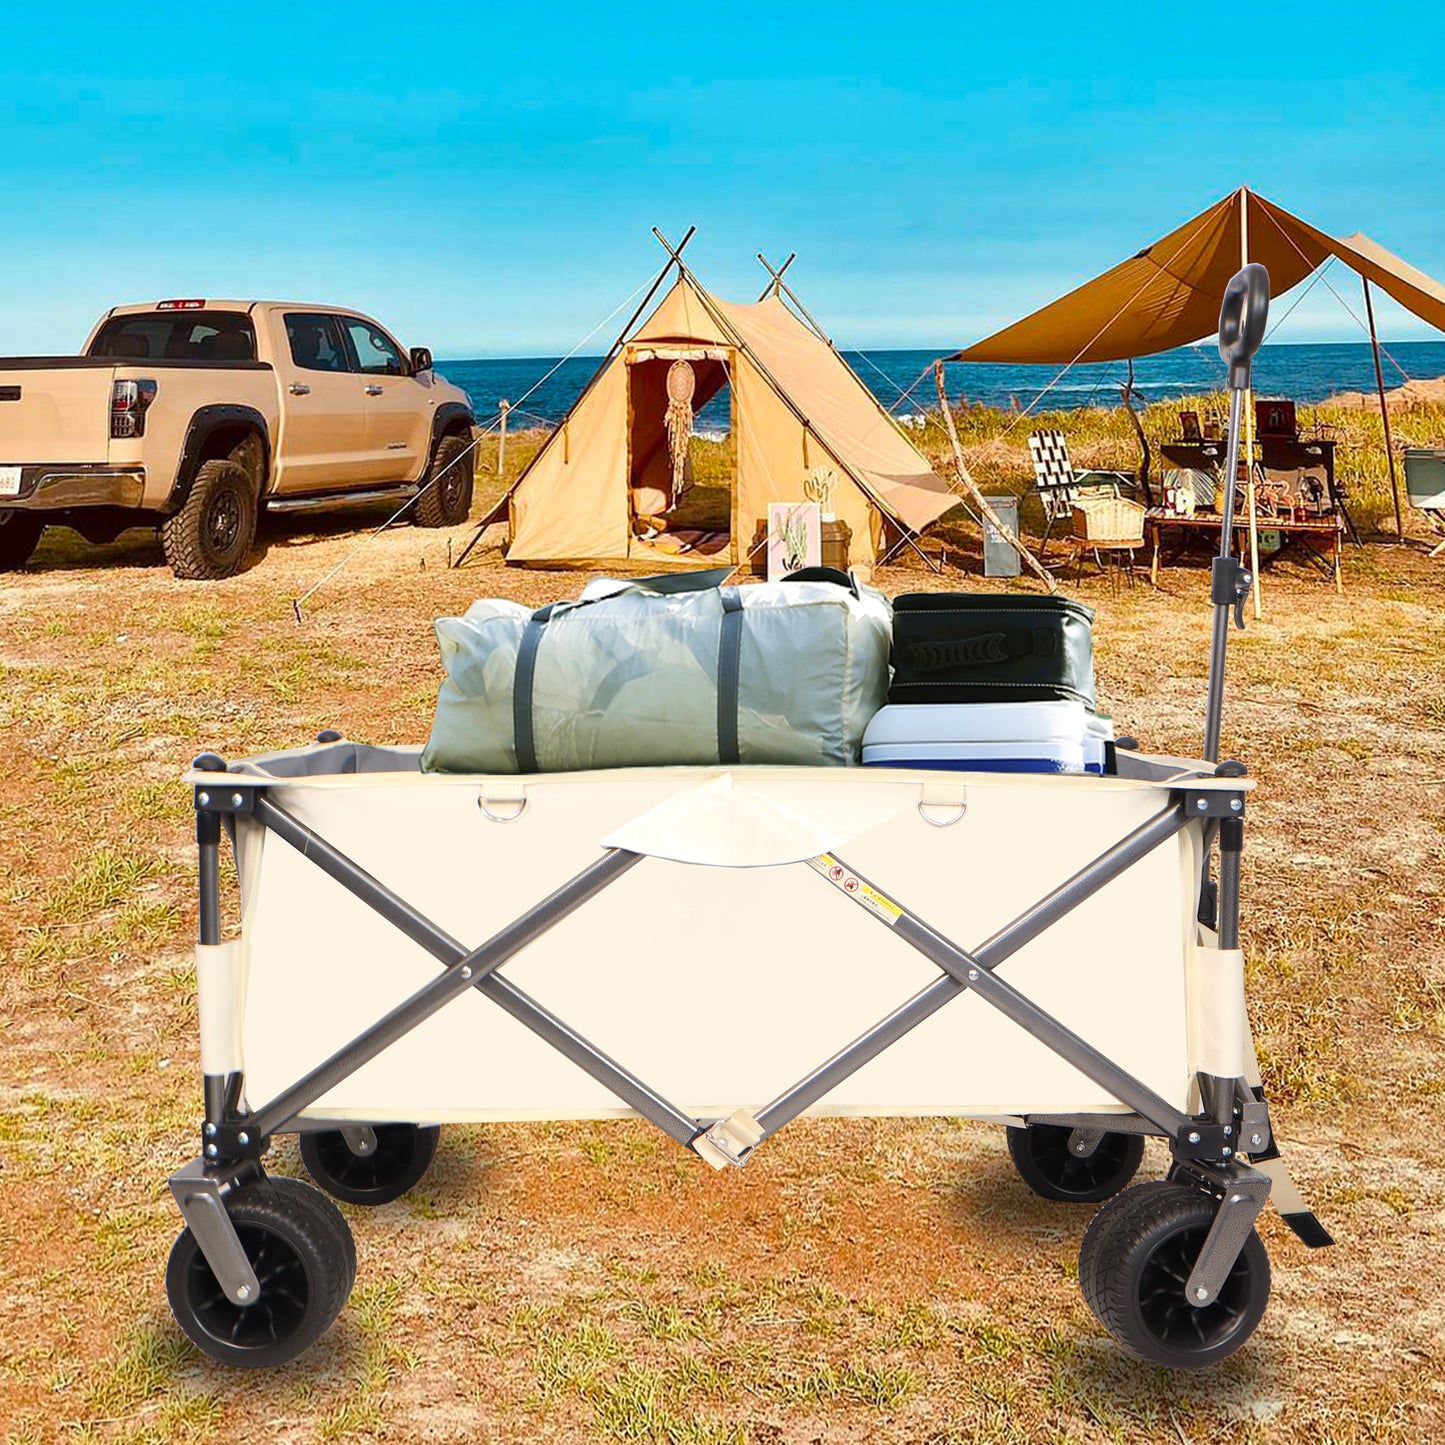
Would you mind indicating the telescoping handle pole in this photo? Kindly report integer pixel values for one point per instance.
(1242, 319)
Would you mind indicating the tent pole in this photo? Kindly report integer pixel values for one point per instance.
(1384, 410)
(1249, 427)
(966, 478)
(777, 275)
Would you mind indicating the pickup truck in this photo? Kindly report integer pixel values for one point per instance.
(194, 416)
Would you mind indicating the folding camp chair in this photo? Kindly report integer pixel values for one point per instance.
(1059, 486)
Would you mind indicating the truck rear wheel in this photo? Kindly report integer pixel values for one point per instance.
(211, 535)
(19, 536)
(447, 498)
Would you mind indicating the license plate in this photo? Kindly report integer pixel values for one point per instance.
(9, 481)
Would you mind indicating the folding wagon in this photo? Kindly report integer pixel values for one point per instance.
(720, 950)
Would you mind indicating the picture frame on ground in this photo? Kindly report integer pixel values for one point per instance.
(795, 537)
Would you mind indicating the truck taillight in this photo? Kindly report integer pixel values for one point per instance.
(128, 403)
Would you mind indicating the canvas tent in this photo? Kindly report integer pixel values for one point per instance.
(795, 408)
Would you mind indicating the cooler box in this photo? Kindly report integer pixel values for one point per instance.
(1007, 737)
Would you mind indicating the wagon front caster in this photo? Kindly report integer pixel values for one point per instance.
(369, 1163)
(1079, 1166)
(1134, 1264)
(304, 1260)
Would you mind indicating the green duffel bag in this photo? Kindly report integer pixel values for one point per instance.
(671, 670)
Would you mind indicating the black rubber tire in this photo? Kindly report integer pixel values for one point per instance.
(1041, 1155)
(447, 502)
(19, 537)
(211, 536)
(305, 1260)
(1133, 1263)
(404, 1153)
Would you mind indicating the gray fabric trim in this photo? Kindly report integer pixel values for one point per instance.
(524, 740)
(729, 670)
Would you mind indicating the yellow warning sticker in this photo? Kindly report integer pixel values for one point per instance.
(842, 877)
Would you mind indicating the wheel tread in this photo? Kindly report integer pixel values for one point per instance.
(302, 1213)
(1105, 1256)
(181, 532)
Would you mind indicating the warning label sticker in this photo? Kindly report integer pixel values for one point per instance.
(855, 887)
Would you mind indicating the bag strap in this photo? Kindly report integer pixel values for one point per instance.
(824, 574)
(524, 738)
(729, 670)
(524, 735)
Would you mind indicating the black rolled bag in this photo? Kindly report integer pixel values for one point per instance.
(958, 647)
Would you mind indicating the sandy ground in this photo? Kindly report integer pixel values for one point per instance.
(878, 1280)
(1412, 393)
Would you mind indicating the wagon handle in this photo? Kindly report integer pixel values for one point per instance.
(1242, 319)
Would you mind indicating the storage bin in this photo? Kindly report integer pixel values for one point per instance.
(956, 647)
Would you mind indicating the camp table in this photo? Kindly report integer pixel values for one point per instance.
(721, 950)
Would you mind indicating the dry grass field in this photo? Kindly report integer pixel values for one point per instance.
(886, 1280)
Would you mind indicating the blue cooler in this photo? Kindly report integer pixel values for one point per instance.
(1002, 737)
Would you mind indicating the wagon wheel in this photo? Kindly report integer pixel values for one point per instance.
(302, 1253)
(1053, 1170)
(403, 1153)
(1135, 1261)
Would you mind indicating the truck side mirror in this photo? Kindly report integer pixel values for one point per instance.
(420, 360)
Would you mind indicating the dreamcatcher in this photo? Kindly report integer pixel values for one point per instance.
(681, 386)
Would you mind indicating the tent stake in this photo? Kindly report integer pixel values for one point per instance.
(1384, 411)
(967, 479)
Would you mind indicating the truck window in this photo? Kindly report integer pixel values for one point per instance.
(316, 341)
(376, 353)
(189, 336)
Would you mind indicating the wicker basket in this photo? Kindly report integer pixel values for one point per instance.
(1109, 521)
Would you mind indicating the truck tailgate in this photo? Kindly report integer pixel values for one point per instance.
(55, 414)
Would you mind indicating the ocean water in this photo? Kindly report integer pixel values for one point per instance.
(1306, 373)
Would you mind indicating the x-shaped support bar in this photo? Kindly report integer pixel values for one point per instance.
(478, 968)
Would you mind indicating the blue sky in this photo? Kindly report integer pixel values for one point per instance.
(484, 179)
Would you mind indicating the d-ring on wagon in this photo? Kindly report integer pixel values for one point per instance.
(708, 926)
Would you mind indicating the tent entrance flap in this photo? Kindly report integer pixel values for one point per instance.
(678, 499)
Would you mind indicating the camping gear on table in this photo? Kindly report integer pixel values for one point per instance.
(671, 670)
(953, 647)
(718, 929)
(1000, 737)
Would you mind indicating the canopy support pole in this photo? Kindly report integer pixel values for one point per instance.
(1384, 410)
(966, 477)
(1249, 428)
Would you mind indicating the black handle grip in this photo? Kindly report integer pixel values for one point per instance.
(1242, 320)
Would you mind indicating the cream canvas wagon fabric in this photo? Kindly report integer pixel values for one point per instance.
(720, 986)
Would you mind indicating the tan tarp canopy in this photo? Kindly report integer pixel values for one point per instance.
(796, 406)
(1169, 294)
